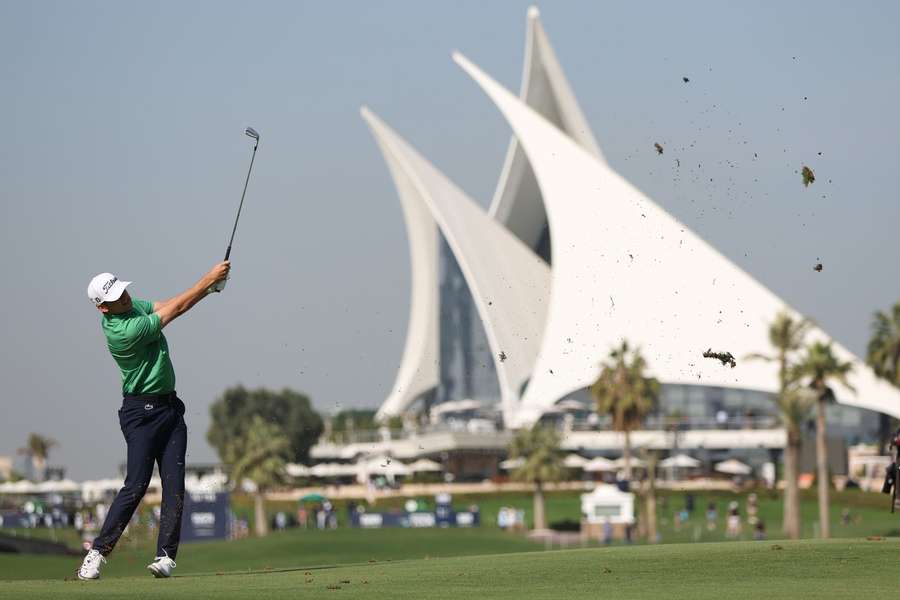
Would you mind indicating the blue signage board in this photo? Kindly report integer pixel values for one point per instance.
(207, 516)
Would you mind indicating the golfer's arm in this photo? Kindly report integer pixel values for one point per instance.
(158, 305)
(171, 309)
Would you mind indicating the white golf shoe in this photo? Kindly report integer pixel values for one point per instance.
(161, 567)
(90, 568)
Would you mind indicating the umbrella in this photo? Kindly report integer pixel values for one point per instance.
(574, 461)
(599, 464)
(22, 486)
(619, 463)
(680, 460)
(382, 465)
(733, 467)
(313, 498)
(297, 470)
(512, 463)
(423, 464)
(58, 487)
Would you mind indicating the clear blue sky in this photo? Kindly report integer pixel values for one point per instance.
(122, 151)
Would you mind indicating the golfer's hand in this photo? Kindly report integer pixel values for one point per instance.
(218, 272)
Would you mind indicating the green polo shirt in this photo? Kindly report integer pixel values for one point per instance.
(138, 346)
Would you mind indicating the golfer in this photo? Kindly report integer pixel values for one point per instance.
(151, 417)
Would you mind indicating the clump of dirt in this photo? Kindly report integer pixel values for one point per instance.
(725, 357)
(659, 149)
(808, 176)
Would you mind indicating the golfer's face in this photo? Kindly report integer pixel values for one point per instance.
(122, 305)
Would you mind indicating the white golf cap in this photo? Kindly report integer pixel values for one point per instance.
(106, 287)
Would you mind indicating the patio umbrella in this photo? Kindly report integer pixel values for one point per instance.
(574, 461)
(512, 463)
(619, 463)
(681, 461)
(423, 464)
(599, 464)
(297, 470)
(733, 467)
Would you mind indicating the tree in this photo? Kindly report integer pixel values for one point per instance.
(37, 449)
(347, 422)
(884, 357)
(821, 366)
(623, 392)
(648, 491)
(787, 335)
(539, 447)
(234, 410)
(260, 455)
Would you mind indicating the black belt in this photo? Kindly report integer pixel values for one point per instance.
(156, 398)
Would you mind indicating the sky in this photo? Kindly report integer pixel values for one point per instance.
(123, 151)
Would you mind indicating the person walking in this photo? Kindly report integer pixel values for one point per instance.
(151, 416)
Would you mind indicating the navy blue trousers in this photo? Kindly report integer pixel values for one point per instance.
(155, 432)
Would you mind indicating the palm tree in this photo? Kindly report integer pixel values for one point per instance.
(786, 335)
(37, 449)
(884, 356)
(259, 455)
(625, 394)
(821, 366)
(539, 447)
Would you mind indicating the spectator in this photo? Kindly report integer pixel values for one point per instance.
(759, 532)
(607, 531)
(712, 515)
(733, 521)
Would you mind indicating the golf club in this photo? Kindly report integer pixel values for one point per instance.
(249, 132)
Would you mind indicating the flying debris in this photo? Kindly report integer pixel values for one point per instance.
(659, 149)
(502, 356)
(808, 176)
(725, 357)
(685, 79)
(818, 267)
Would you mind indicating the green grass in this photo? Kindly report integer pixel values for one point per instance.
(281, 550)
(805, 569)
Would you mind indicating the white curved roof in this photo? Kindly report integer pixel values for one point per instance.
(418, 372)
(517, 200)
(623, 268)
(509, 283)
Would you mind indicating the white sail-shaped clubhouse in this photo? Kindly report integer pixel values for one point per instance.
(517, 205)
(509, 283)
(622, 267)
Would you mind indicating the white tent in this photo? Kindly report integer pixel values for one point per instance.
(733, 467)
(382, 465)
(575, 461)
(635, 462)
(595, 465)
(19, 487)
(682, 461)
(58, 487)
(424, 465)
(325, 470)
(297, 470)
(95, 489)
(512, 463)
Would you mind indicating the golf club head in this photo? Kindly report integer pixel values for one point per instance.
(251, 133)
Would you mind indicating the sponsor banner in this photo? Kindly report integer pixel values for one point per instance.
(206, 516)
(444, 517)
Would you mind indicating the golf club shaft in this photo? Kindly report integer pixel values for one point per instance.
(241, 205)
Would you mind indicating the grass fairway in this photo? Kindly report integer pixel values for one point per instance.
(806, 569)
